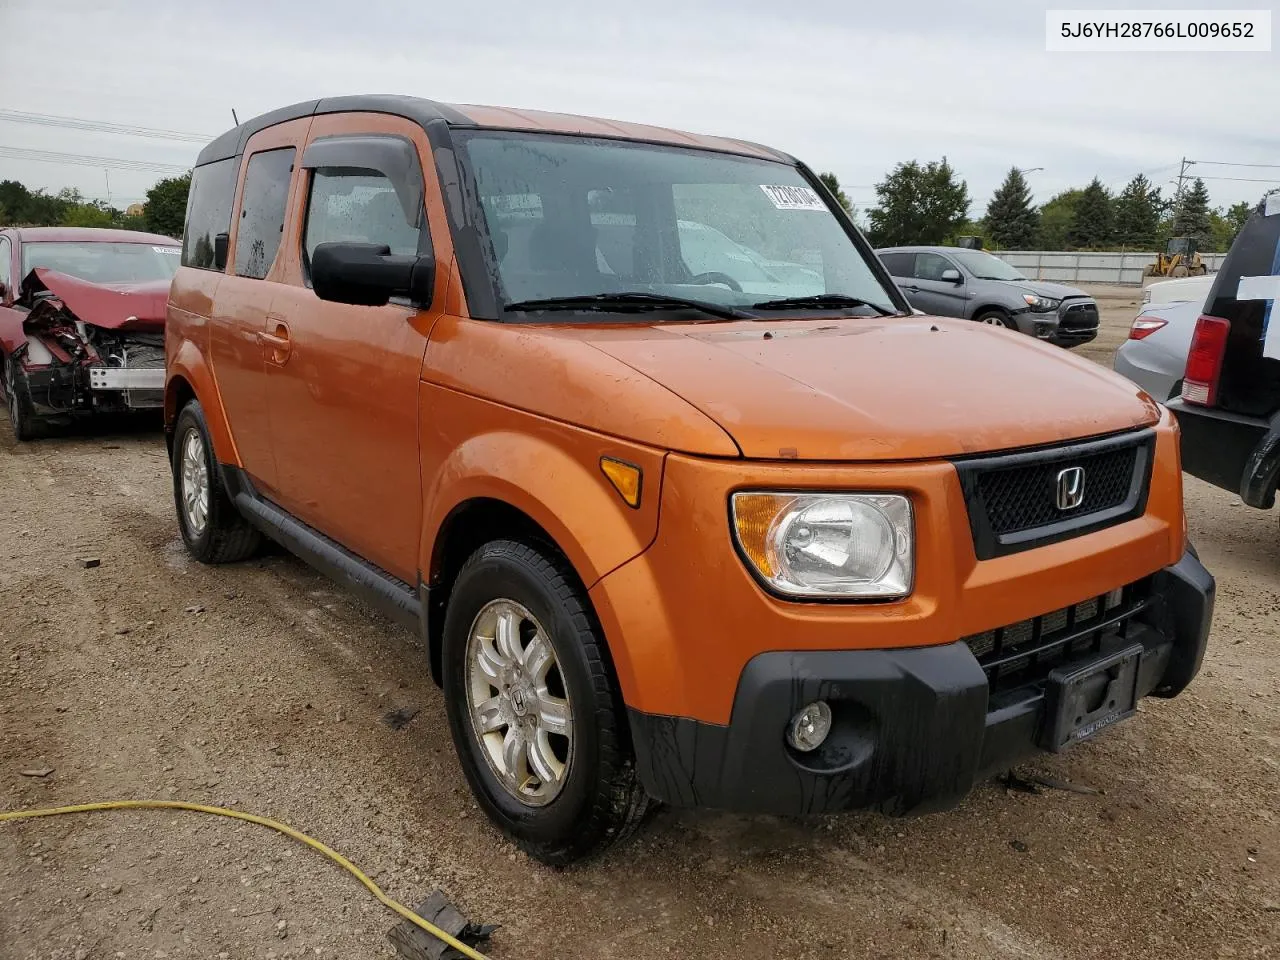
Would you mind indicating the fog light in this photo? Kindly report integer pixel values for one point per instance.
(810, 727)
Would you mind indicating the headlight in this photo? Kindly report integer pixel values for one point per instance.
(828, 544)
(1041, 304)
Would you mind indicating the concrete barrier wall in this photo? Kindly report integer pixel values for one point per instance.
(1076, 268)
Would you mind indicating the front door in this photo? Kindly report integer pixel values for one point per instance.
(343, 380)
(927, 290)
(243, 298)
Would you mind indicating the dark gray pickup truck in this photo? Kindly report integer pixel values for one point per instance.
(973, 285)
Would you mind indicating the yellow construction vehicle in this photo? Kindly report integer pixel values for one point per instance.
(1180, 259)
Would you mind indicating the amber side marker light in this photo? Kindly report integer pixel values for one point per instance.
(625, 477)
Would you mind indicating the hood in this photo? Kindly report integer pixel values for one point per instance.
(117, 306)
(1043, 288)
(879, 389)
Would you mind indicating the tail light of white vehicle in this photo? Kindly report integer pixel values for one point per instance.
(1204, 361)
(1145, 326)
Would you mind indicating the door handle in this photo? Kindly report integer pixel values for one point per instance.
(913, 288)
(276, 345)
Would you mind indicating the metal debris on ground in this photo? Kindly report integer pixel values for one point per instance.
(41, 772)
(414, 943)
(90, 562)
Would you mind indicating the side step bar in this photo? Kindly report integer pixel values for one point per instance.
(385, 593)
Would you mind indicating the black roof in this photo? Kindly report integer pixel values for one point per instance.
(422, 111)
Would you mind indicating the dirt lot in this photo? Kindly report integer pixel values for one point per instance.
(260, 686)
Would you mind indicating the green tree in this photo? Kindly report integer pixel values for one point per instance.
(166, 206)
(33, 208)
(1012, 222)
(1225, 224)
(918, 204)
(1138, 209)
(832, 183)
(88, 215)
(1056, 218)
(1191, 215)
(1093, 221)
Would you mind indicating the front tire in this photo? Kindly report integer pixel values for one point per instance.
(996, 318)
(22, 414)
(213, 529)
(535, 713)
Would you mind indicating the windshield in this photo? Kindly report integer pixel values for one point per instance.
(984, 266)
(573, 217)
(100, 262)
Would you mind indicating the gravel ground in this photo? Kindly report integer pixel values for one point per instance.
(262, 687)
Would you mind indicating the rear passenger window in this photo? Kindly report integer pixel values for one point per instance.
(356, 205)
(898, 264)
(266, 192)
(213, 188)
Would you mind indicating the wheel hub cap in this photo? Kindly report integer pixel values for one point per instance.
(193, 476)
(517, 703)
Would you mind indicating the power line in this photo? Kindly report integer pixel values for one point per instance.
(101, 126)
(76, 159)
(1239, 179)
(1226, 163)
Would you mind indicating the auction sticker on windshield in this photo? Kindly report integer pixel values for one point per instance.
(173, 250)
(793, 198)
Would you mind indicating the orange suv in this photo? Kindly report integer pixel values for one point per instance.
(635, 428)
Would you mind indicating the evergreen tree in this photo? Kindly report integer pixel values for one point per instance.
(1137, 213)
(1092, 224)
(1191, 217)
(1012, 222)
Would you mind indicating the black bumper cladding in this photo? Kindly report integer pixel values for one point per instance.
(913, 730)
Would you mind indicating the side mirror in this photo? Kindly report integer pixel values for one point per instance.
(220, 242)
(952, 276)
(367, 275)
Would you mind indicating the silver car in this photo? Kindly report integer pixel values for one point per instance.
(1155, 355)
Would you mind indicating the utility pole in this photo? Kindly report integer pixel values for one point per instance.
(1177, 193)
(107, 173)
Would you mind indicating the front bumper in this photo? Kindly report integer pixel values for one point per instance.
(914, 729)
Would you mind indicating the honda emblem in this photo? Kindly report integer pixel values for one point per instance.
(1070, 488)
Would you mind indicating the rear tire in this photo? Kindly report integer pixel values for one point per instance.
(22, 414)
(1179, 271)
(212, 528)
(996, 318)
(509, 603)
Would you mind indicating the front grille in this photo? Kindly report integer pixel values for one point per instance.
(1020, 498)
(1023, 653)
(1014, 498)
(1079, 316)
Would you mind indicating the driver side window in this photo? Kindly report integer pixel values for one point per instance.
(357, 205)
(930, 266)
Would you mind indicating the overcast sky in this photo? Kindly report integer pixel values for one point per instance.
(849, 87)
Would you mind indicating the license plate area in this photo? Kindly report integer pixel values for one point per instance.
(1084, 699)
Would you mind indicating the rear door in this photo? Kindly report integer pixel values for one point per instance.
(244, 297)
(930, 293)
(901, 266)
(343, 388)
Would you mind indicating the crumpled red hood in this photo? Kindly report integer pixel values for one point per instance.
(116, 306)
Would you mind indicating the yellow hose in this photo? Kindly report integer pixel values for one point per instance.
(275, 825)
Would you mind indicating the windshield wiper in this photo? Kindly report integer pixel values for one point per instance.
(832, 301)
(636, 302)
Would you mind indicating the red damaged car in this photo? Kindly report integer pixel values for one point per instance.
(81, 323)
